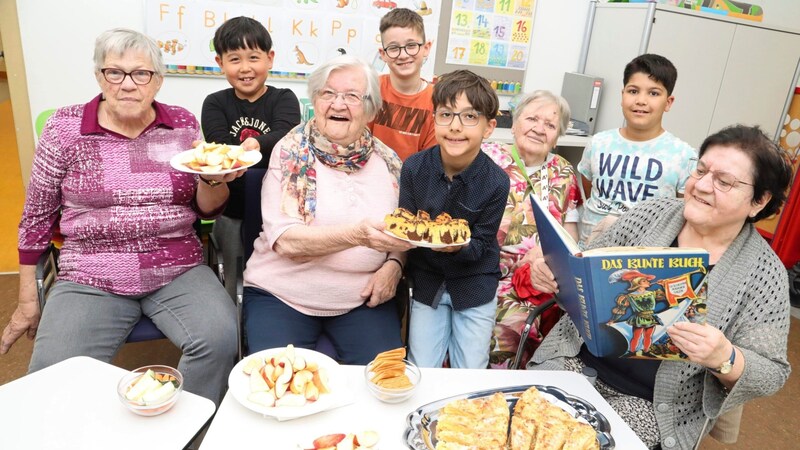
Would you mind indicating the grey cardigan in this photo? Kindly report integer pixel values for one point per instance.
(748, 299)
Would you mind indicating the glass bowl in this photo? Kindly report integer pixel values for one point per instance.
(388, 395)
(155, 404)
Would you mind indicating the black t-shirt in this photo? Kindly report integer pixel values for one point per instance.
(227, 119)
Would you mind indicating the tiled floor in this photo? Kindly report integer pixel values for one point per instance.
(768, 423)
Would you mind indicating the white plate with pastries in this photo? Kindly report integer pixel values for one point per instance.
(425, 243)
(214, 159)
(314, 383)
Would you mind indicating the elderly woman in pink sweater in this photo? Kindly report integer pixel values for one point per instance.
(102, 169)
(322, 262)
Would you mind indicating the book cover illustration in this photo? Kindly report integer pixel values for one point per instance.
(623, 299)
(645, 306)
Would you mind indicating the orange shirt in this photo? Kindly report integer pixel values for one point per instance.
(405, 122)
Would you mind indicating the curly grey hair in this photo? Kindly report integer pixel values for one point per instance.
(546, 97)
(372, 98)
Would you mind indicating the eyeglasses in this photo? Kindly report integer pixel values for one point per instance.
(723, 181)
(349, 98)
(412, 48)
(467, 118)
(117, 76)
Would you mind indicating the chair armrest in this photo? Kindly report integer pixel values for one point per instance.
(239, 300)
(214, 259)
(46, 271)
(535, 312)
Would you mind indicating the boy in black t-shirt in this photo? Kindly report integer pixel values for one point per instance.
(250, 113)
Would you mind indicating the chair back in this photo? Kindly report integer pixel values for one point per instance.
(41, 119)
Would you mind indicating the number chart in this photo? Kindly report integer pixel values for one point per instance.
(490, 33)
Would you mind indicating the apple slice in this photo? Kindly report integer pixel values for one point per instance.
(262, 398)
(291, 400)
(257, 382)
(346, 443)
(311, 392)
(143, 385)
(158, 395)
(280, 389)
(252, 364)
(298, 385)
(312, 366)
(299, 363)
(321, 381)
(267, 374)
(367, 438)
(329, 440)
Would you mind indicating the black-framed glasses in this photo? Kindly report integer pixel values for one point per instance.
(117, 76)
(467, 118)
(349, 98)
(412, 48)
(723, 181)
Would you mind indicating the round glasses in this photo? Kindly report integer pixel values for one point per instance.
(467, 118)
(723, 181)
(412, 48)
(117, 76)
(349, 98)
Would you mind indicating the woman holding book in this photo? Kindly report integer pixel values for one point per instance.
(739, 178)
(538, 121)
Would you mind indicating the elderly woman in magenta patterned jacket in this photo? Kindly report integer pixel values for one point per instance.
(126, 216)
(539, 119)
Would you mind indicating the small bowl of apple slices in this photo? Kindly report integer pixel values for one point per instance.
(150, 390)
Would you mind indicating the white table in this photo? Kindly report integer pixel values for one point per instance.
(235, 426)
(74, 405)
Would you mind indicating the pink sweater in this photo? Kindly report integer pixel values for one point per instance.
(327, 285)
(126, 215)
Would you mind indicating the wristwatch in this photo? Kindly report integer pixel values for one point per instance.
(211, 183)
(727, 366)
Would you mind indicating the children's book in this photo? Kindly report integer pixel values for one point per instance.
(623, 299)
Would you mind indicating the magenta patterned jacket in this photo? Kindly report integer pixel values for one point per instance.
(125, 214)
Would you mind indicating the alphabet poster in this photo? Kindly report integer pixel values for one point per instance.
(304, 32)
(494, 33)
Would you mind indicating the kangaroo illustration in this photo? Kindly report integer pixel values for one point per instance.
(301, 58)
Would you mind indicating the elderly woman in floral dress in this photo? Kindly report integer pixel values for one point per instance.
(538, 120)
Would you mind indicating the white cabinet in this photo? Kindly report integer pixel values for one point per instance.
(729, 70)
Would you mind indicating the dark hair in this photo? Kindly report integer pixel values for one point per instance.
(402, 18)
(772, 171)
(478, 91)
(239, 33)
(656, 67)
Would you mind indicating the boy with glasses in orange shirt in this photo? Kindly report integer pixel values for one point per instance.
(405, 122)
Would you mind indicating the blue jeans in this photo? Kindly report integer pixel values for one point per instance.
(357, 336)
(193, 311)
(465, 334)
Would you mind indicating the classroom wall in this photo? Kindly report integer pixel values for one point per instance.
(58, 38)
(59, 64)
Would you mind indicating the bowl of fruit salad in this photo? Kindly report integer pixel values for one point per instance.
(150, 390)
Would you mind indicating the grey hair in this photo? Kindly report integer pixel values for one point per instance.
(372, 100)
(545, 97)
(119, 40)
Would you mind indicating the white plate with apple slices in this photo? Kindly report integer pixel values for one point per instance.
(288, 382)
(214, 159)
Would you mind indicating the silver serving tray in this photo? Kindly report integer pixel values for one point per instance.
(421, 431)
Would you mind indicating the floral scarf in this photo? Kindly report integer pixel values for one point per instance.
(305, 145)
